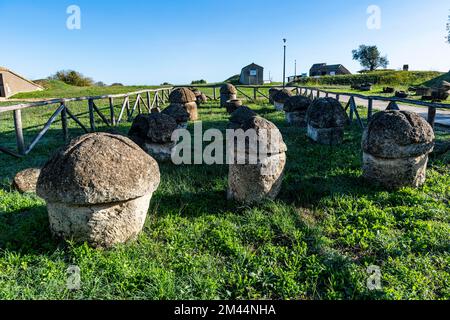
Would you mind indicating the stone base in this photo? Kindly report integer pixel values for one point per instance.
(161, 152)
(296, 119)
(101, 225)
(327, 136)
(192, 109)
(278, 106)
(252, 183)
(395, 173)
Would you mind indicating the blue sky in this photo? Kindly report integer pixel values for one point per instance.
(150, 42)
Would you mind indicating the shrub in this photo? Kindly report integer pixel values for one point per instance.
(117, 85)
(73, 78)
(199, 82)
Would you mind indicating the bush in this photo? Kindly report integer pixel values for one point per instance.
(117, 85)
(199, 82)
(72, 78)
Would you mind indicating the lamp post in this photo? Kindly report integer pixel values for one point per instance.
(284, 64)
(295, 69)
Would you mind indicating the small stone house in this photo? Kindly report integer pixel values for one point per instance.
(322, 69)
(12, 83)
(252, 74)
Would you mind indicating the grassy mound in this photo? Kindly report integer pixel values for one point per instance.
(436, 82)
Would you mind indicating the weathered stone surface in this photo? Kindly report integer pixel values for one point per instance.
(224, 97)
(182, 95)
(240, 116)
(178, 112)
(326, 113)
(25, 181)
(161, 152)
(200, 96)
(326, 136)
(280, 98)
(397, 134)
(296, 108)
(152, 128)
(395, 173)
(192, 109)
(228, 88)
(272, 92)
(395, 147)
(98, 189)
(253, 182)
(233, 105)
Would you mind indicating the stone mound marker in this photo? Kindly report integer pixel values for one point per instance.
(185, 98)
(98, 189)
(254, 182)
(25, 181)
(179, 113)
(326, 119)
(396, 145)
(280, 98)
(227, 92)
(296, 108)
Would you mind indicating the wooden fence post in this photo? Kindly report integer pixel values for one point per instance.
(91, 115)
(214, 94)
(369, 109)
(254, 94)
(111, 110)
(19, 131)
(431, 116)
(338, 96)
(65, 128)
(149, 102)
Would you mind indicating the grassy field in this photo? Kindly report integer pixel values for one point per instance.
(314, 242)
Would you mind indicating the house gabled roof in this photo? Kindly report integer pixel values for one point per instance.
(19, 76)
(328, 68)
(252, 64)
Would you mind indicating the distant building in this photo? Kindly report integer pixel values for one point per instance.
(252, 75)
(297, 77)
(322, 69)
(11, 83)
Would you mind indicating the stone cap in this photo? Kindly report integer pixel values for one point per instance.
(397, 134)
(240, 116)
(155, 127)
(326, 113)
(282, 96)
(177, 112)
(182, 95)
(269, 131)
(297, 103)
(228, 88)
(98, 168)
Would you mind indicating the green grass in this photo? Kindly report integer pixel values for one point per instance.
(314, 242)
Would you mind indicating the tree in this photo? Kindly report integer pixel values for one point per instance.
(370, 57)
(448, 30)
(199, 82)
(72, 78)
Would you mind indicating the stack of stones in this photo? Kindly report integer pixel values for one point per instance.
(185, 98)
(280, 98)
(295, 109)
(253, 182)
(180, 115)
(153, 133)
(272, 93)
(326, 120)
(98, 189)
(240, 116)
(233, 105)
(200, 96)
(227, 92)
(396, 145)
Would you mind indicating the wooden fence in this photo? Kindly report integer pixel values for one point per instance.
(155, 97)
(145, 100)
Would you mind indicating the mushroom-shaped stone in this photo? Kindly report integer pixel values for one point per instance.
(199, 96)
(153, 133)
(227, 92)
(395, 147)
(185, 98)
(296, 108)
(179, 113)
(272, 92)
(258, 167)
(240, 116)
(98, 189)
(325, 120)
(280, 98)
(25, 181)
(233, 105)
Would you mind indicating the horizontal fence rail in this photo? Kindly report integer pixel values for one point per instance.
(146, 100)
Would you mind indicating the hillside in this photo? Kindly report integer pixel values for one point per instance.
(380, 77)
(437, 81)
(58, 89)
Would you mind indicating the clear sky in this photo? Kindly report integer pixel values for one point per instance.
(150, 42)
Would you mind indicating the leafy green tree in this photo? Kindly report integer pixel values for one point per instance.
(73, 78)
(370, 57)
